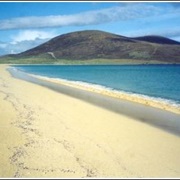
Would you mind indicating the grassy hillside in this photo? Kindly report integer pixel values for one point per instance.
(44, 60)
(92, 47)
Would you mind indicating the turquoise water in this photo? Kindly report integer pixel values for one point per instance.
(154, 81)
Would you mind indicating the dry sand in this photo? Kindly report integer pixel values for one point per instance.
(44, 133)
(120, 95)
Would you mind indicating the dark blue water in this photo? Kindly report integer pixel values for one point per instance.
(158, 81)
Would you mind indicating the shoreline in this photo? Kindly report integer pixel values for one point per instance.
(156, 114)
(121, 95)
(146, 100)
(49, 133)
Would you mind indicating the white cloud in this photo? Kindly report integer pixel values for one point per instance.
(30, 35)
(118, 13)
(3, 45)
(20, 46)
(25, 40)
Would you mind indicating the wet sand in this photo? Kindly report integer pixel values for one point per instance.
(46, 133)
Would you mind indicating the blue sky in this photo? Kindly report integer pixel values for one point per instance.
(24, 25)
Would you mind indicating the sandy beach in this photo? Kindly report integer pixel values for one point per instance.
(45, 133)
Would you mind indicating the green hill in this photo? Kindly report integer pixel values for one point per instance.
(92, 44)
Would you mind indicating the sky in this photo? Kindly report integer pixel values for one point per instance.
(24, 25)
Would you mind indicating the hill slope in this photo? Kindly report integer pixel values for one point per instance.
(92, 44)
(157, 39)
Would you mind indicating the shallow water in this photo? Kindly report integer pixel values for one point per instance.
(161, 82)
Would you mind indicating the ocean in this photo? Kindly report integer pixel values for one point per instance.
(159, 82)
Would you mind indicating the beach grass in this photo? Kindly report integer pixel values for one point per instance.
(43, 59)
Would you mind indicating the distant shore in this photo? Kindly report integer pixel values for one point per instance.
(58, 133)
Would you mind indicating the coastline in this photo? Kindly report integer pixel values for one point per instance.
(59, 135)
(137, 98)
(154, 113)
(160, 103)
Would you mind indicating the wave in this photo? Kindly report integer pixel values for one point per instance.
(104, 89)
(157, 117)
(109, 91)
